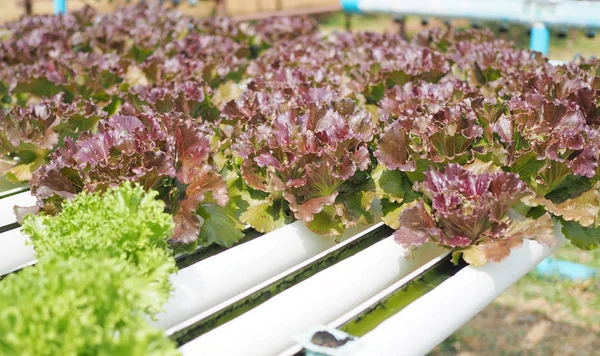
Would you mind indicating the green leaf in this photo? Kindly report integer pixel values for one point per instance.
(326, 223)
(392, 210)
(535, 212)
(584, 209)
(486, 76)
(419, 173)
(353, 208)
(141, 54)
(113, 106)
(40, 87)
(79, 123)
(220, 225)
(456, 257)
(527, 166)
(552, 175)
(226, 92)
(206, 109)
(23, 172)
(398, 77)
(393, 185)
(571, 187)
(265, 217)
(586, 238)
(391, 213)
(479, 74)
(375, 93)
(472, 255)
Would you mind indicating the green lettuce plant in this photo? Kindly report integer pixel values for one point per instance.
(103, 270)
(79, 306)
(125, 223)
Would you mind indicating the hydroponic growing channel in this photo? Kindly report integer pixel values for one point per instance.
(246, 182)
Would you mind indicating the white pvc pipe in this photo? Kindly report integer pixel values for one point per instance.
(7, 186)
(556, 62)
(481, 9)
(271, 327)
(294, 240)
(556, 13)
(218, 278)
(14, 251)
(7, 215)
(429, 320)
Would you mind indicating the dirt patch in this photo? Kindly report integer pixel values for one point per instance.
(501, 330)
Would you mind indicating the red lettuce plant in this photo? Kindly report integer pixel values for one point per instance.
(474, 213)
(28, 135)
(427, 122)
(423, 125)
(493, 65)
(164, 152)
(312, 158)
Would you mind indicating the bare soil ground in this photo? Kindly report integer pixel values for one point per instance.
(502, 330)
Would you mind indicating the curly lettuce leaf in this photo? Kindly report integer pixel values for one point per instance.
(583, 237)
(93, 304)
(266, 216)
(124, 222)
(584, 209)
(540, 229)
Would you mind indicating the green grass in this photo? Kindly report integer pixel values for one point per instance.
(578, 300)
(337, 22)
(572, 253)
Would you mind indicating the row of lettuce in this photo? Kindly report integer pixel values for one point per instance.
(463, 139)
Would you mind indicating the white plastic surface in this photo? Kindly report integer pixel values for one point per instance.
(551, 12)
(429, 320)
(7, 216)
(271, 327)
(6, 186)
(481, 9)
(220, 277)
(556, 62)
(14, 251)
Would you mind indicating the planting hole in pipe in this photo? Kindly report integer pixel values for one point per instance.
(322, 340)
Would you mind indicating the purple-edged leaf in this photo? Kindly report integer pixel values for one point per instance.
(204, 182)
(393, 149)
(306, 210)
(417, 227)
